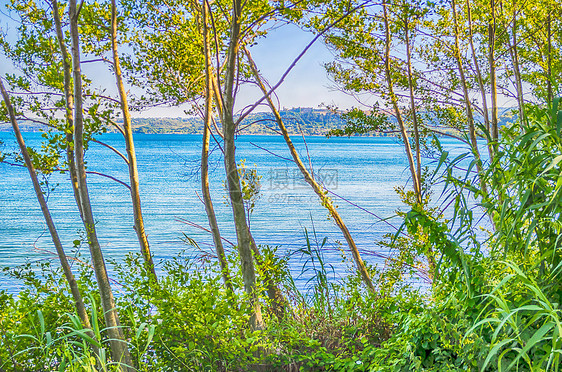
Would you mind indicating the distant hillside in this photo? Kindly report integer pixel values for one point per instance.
(308, 121)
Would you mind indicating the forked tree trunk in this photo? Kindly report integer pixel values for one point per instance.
(468, 104)
(479, 79)
(119, 350)
(318, 189)
(278, 302)
(233, 179)
(130, 148)
(78, 301)
(549, 92)
(413, 107)
(416, 180)
(394, 101)
(516, 71)
(69, 103)
(210, 210)
(493, 77)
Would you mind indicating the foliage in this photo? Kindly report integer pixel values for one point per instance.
(527, 173)
(492, 296)
(527, 331)
(250, 182)
(360, 122)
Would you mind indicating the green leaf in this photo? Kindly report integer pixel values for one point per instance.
(494, 350)
(537, 337)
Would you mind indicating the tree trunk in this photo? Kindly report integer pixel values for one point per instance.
(119, 350)
(78, 301)
(318, 189)
(276, 298)
(430, 255)
(233, 179)
(130, 148)
(469, 113)
(69, 130)
(413, 108)
(550, 94)
(394, 100)
(516, 71)
(209, 84)
(69, 104)
(479, 79)
(493, 78)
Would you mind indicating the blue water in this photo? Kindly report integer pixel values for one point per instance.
(362, 170)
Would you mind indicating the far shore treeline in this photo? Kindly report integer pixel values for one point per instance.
(301, 120)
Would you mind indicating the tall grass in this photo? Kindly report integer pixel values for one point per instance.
(525, 334)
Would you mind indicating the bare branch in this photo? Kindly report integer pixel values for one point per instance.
(112, 149)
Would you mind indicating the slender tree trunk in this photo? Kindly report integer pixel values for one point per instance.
(430, 254)
(413, 107)
(469, 113)
(130, 148)
(209, 206)
(69, 103)
(209, 84)
(276, 298)
(119, 350)
(479, 79)
(493, 77)
(550, 94)
(69, 130)
(394, 100)
(233, 179)
(516, 71)
(318, 189)
(78, 301)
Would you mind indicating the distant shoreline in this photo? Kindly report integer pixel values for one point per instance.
(8, 129)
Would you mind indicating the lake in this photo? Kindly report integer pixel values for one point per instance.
(363, 171)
